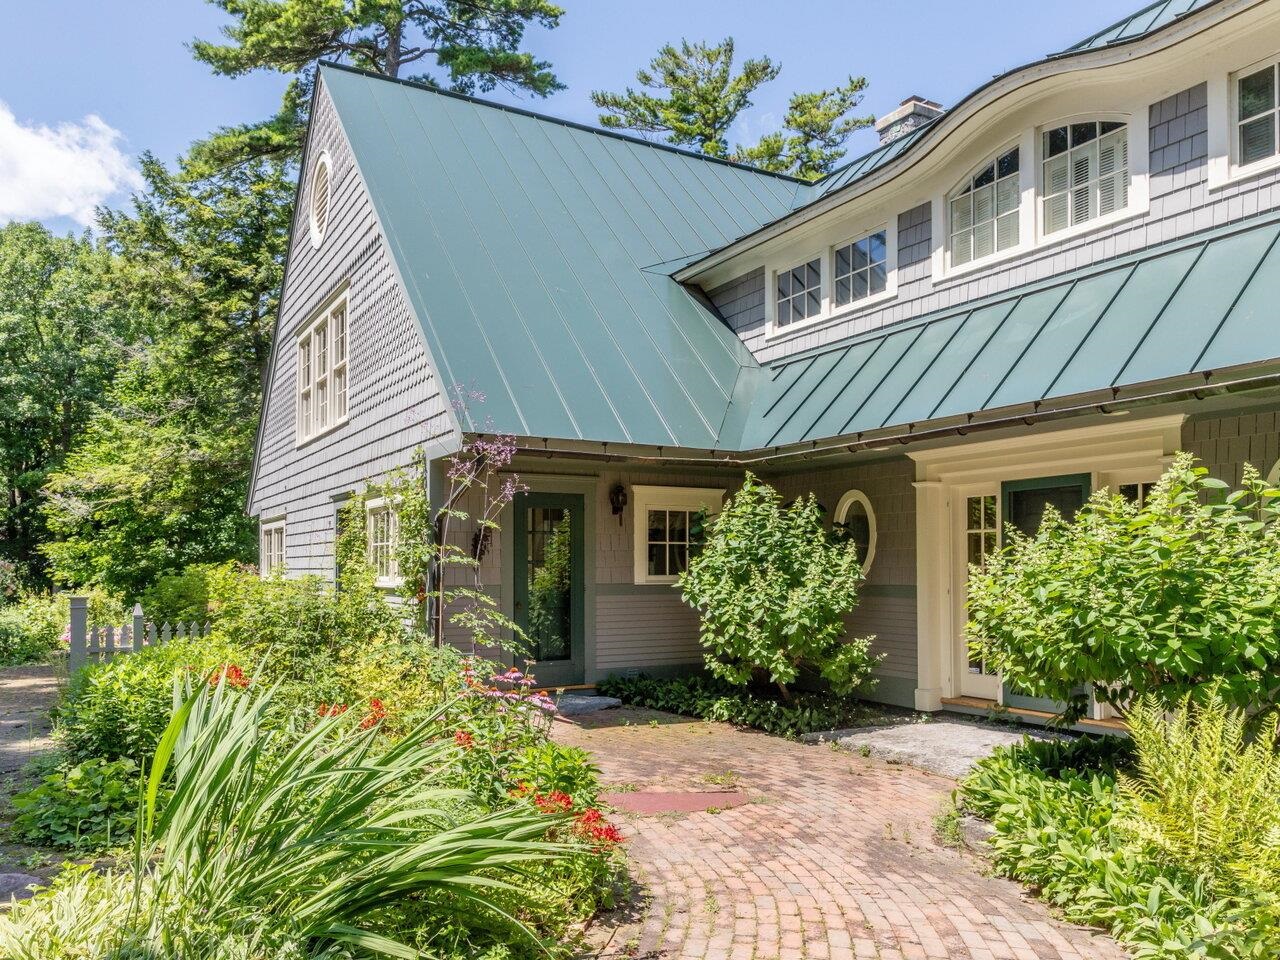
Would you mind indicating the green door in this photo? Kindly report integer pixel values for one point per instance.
(549, 582)
(1024, 502)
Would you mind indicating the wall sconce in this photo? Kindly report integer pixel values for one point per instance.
(618, 500)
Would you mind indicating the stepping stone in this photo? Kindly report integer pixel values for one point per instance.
(579, 704)
(656, 802)
(15, 885)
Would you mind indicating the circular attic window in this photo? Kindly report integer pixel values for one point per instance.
(320, 196)
(855, 520)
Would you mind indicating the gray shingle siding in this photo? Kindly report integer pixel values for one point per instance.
(395, 402)
(1180, 204)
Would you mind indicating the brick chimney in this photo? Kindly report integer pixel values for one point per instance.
(913, 112)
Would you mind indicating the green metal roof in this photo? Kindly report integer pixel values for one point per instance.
(1192, 306)
(536, 255)
(1139, 24)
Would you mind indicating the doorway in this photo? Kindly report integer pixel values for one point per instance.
(549, 584)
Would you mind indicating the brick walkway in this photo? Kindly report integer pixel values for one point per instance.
(834, 858)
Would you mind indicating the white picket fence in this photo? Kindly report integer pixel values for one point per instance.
(97, 643)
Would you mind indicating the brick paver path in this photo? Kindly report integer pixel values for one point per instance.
(834, 858)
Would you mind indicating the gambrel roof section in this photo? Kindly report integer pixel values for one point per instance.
(536, 254)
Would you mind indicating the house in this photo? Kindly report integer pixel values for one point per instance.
(1047, 288)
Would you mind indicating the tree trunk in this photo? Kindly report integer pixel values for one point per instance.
(782, 689)
(391, 64)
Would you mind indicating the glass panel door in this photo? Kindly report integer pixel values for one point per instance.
(549, 579)
(979, 539)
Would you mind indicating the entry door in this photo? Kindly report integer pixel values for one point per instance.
(977, 538)
(549, 584)
(1023, 503)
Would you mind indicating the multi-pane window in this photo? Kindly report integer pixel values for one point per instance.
(860, 269)
(382, 527)
(799, 292)
(982, 539)
(322, 371)
(1136, 492)
(984, 213)
(1256, 116)
(271, 548)
(1086, 172)
(674, 537)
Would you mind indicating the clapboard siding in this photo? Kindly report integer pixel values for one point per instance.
(1181, 204)
(395, 402)
(645, 629)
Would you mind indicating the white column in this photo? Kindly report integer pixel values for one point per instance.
(933, 595)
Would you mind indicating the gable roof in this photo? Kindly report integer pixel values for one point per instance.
(536, 254)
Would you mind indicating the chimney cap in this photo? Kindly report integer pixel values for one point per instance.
(913, 112)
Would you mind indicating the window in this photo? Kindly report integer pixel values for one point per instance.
(322, 371)
(669, 529)
(855, 520)
(982, 539)
(320, 199)
(1256, 116)
(799, 292)
(861, 269)
(1136, 492)
(271, 548)
(1086, 172)
(984, 212)
(382, 528)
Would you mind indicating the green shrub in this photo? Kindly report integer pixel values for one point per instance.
(1061, 830)
(119, 709)
(1205, 797)
(772, 588)
(183, 597)
(712, 699)
(551, 767)
(34, 626)
(90, 806)
(1161, 598)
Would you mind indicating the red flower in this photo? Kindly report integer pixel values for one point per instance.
(591, 825)
(336, 710)
(229, 674)
(554, 802)
(377, 713)
(463, 739)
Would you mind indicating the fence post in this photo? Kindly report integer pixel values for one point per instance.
(139, 639)
(79, 633)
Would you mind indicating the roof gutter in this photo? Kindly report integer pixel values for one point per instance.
(990, 93)
(900, 437)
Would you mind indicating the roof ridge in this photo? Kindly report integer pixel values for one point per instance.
(560, 121)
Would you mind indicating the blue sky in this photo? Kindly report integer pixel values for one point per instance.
(118, 79)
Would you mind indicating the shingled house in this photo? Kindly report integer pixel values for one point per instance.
(1047, 288)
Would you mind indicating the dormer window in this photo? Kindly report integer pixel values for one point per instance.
(984, 211)
(799, 292)
(1086, 172)
(1256, 116)
(861, 269)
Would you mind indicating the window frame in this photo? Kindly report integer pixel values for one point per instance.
(1041, 159)
(1223, 123)
(315, 229)
(274, 528)
(825, 254)
(390, 506)
(1024, 177)
(849, 498)
(323, 382)
(646, 498)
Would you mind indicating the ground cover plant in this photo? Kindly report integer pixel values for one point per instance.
(1160, 598)
(772, 588)
(1169, 841)
(711, 699)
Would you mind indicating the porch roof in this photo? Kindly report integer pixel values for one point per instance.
(1194, 306)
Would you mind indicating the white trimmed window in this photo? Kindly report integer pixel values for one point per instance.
(855, 520)
(271, 547)
(984, 211)
(669, 528)
(1085, 172)
(1256, 116)
(382, 528)
(321, 197)
(860, 269)
(799, 292)
(322, 371)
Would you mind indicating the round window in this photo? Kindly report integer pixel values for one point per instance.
(856, 521)
(320, 195)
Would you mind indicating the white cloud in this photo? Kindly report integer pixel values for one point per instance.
(60, 171)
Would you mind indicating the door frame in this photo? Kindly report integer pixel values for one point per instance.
(571, 670)
(967, 684)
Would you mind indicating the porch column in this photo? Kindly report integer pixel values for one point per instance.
(933, 595)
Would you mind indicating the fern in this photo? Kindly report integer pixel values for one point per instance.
(1203, 795)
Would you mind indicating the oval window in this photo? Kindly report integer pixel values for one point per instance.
(856, 521)
(320, 196)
